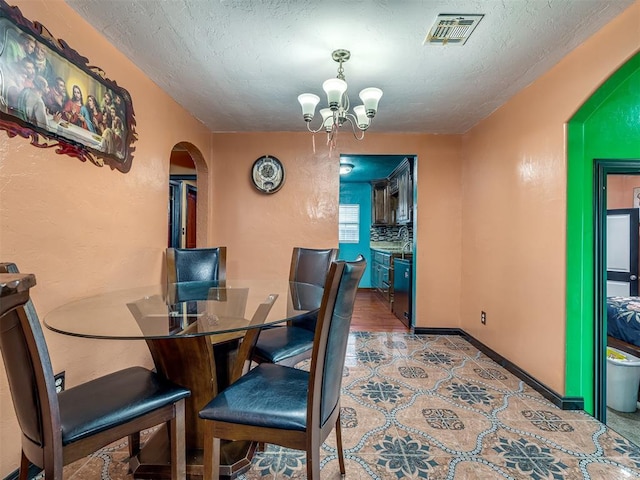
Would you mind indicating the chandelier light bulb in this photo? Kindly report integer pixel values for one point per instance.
(370, 97)
(308, 101)
(334, 88)
(361, 117)
(327, 118)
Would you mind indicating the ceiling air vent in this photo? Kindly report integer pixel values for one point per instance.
(450, 29)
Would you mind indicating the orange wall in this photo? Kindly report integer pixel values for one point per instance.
(304, 211)
(514, 207)
(83, 229)
(489, 226)
(620, 190)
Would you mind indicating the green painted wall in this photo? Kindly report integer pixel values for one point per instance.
(607, 126)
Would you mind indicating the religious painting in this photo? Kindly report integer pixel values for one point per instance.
(50, 94)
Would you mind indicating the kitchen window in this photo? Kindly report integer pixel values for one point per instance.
(349, 223)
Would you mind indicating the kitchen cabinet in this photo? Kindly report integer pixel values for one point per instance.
(380, 205)
(392, 197)
(404, 206)
(402, 198)
(382, 274)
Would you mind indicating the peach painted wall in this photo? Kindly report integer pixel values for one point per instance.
(514, 207)
(83, 229)
(620, 190)
(260, 230)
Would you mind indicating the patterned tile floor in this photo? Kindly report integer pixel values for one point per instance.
(434, 407)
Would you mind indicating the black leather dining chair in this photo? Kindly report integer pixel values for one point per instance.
(197, 264)
(60, 428)
(292, 343)
(286, 406)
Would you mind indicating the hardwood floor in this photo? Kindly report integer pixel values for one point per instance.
(371, 314)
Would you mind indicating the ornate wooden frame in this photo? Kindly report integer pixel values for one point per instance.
(103, 134)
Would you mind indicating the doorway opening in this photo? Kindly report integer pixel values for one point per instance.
(377, 219)
(187, 211)
(617, 303)
(603, 127)
(183, 194)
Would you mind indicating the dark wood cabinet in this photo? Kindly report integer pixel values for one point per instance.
(404, 204)
(392, 197)
(380, 206)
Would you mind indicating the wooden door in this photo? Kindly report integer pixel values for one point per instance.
(190, 220)
(622, 252)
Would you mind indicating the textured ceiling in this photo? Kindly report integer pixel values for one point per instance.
(240, 65)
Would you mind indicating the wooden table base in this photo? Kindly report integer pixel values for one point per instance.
(204, 368)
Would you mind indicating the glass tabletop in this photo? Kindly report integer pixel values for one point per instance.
(186, 309)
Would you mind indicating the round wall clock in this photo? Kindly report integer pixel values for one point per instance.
(267, 174)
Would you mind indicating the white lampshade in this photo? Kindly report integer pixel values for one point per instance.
(308, 101)
(334, 88)
(370, 97)
(327, 118)
(361, 116)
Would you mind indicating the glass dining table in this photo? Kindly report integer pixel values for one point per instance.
(192, 330)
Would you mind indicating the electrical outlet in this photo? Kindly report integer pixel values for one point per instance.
(59, 381)
(483, 318)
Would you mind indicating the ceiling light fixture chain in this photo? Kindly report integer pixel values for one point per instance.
(337, 114)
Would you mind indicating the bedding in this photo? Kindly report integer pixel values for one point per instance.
(623, 319)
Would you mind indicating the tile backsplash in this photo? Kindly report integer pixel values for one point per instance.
(388, 233)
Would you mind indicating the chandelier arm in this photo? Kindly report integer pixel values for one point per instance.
(321, 127)
(345, 101)
(354, 126)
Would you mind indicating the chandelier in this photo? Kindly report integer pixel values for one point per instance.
(337, 114)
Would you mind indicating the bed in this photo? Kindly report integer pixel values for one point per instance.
(623, 324)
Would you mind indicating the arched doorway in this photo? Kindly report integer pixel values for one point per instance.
(605, 127)
(188, 199)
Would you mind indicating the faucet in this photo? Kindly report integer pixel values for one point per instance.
(407, 242)
(403, 233)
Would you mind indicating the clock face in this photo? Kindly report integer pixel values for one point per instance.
(267, 174)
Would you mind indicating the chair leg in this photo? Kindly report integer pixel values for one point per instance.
(24, 467)
(134, 444)
(178, 445)
(313, 463)
(211, 454)
(339, 445)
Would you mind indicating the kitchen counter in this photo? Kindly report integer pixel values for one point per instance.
(393, 248)
(395, 253)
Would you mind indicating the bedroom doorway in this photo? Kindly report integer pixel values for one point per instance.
(617, 187)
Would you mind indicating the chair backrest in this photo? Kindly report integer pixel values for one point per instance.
(197, 264)
(331, 337)
(30, 375)
(310, 265)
